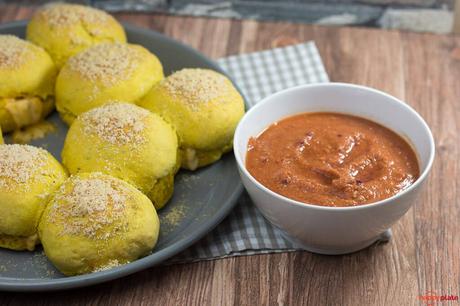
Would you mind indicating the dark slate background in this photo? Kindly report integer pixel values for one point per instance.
(349, 12)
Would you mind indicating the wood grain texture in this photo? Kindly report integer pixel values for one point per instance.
(424, 254)
(456, 26)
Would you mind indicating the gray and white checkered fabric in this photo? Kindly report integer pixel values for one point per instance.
(259, 74)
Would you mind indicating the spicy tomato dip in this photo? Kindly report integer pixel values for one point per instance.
(331, 159)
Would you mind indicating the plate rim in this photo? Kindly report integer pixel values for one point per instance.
(39, 284)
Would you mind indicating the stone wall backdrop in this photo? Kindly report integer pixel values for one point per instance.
(416, 15)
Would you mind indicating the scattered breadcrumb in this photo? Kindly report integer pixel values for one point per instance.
(174, 215)
(111, 264)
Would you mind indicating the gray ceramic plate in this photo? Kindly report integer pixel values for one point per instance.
(201, 199)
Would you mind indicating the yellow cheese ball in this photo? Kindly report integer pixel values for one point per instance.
(95, 222)
(28, 177)
(67, 29)
(1, 136)
(27, 78)
(127, 142)
(104, 73)
(204, 107)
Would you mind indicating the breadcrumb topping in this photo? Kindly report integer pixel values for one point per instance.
(107, 63)
(196, 86)
(59, 14)
(117, 123)
(91, 204)
(20, 164)
(13, 51)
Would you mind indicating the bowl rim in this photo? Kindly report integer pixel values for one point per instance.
(259, 107)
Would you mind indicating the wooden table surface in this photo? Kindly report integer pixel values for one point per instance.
(424, 253)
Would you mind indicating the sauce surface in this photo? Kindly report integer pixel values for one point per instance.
(331, 159)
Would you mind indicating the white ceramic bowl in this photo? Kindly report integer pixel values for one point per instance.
(334, 230)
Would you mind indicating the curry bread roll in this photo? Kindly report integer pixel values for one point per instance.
(28, 176)
(128, 142)
(204, 107)
(103, 73)
(67, 29)
(27, 78)
(95, 222)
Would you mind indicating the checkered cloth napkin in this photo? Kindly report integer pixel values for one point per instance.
(259, 74)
